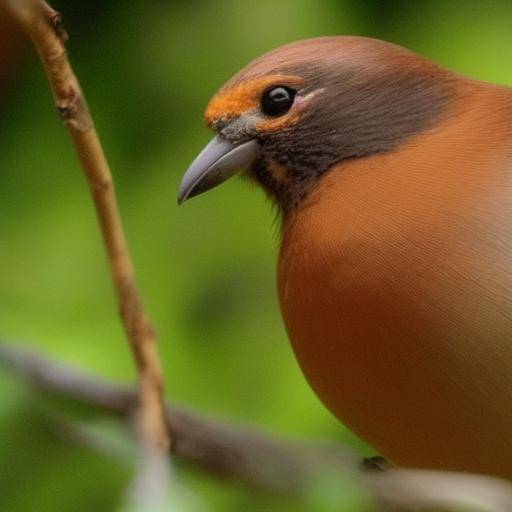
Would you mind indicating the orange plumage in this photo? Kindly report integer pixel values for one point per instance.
(395, 267)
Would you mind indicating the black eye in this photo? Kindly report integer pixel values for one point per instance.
(277, 101)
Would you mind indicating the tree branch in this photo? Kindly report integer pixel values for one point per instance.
(259, 461)
(45, 28)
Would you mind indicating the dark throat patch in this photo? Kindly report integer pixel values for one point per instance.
(356, 114)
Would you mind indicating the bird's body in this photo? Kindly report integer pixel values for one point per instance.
(395, 267)
(395, 283)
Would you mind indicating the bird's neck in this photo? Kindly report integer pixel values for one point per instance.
(353, 123)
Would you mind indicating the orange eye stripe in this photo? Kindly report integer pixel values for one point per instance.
(274, 125)
(241, 98)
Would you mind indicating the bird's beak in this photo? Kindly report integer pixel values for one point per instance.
(217, 162)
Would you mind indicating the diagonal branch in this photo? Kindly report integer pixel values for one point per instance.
(261, 462)
(236, 453)
(45, 28)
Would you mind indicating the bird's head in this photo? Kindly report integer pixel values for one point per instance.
(298, 111)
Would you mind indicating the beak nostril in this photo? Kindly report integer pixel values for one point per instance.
(220, 123)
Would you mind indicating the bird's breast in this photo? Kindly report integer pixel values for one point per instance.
(395, 284)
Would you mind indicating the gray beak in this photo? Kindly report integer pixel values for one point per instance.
(217, 162)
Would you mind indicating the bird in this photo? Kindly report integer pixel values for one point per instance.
(392, 179)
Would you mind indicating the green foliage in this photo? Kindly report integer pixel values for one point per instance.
(206, 270)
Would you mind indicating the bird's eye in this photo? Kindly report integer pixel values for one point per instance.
(277, 101)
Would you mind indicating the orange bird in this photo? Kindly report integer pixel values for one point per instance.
(393, 177)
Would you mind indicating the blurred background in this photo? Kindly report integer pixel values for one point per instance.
(206, 270)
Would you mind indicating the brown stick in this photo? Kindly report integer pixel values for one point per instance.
(259, 461)
(45, 28)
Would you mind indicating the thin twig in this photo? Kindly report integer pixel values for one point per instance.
(259, 461)
(45, 28)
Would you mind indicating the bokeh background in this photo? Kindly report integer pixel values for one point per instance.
(206, 269)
